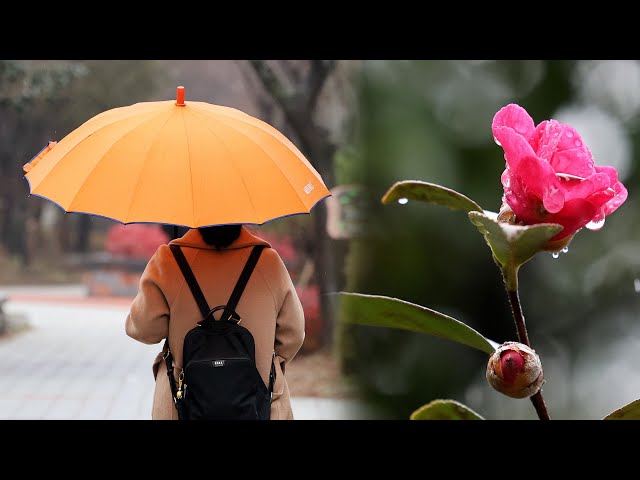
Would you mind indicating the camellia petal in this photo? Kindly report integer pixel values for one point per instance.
(575, 215)
(612, 172)
(515, 146)
(525, 198)
(574, 162)
(621, 191)
(568, 139)
(590, 185)
(515, 117)
(541, 180)
(549, 138)
(599, 200)
(613, 204)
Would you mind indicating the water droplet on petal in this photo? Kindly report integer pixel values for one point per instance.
(636, 285)
(555, 254)
(595, 225)
(569, 134)
(553, 199)
(565, 249)
(578, 143)
(497, 142)
(403, 201)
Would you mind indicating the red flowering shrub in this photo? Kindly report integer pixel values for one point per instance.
(136, 241)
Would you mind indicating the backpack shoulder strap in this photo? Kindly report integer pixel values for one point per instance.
(242, 281)
(204, 310)
(191, 280)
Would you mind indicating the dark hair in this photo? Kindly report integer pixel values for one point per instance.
(220, 235)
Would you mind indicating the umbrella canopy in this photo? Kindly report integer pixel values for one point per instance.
(182, 163)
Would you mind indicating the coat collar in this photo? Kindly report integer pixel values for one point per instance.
(193, 239)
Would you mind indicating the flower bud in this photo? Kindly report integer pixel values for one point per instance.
(515, 370)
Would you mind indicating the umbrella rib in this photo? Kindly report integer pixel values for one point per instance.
(144, 164)
(244, 117)
(282, 172)
(193, 197)
(231, 157)
(84, 138)
(92, 171)
(263, 126)
(275, 163)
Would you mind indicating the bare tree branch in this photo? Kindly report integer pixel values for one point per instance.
(248, 77)
(292, 104)
(265, 101)
(273, 85)
(289, 68)
(320, 70)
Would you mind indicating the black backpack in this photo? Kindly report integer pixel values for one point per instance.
(219, 378)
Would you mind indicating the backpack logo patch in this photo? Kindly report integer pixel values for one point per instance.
(218, 363)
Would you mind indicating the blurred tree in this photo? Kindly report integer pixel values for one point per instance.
(296, 87)
(24, 86)
(23, 81)
(45, 100)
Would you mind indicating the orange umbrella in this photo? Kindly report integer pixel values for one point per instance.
(182, 163)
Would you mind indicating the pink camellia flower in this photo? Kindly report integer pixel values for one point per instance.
(550, 176)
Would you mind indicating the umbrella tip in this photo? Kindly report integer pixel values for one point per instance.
(180, 96)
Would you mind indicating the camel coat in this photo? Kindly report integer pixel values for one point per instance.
(269, 308)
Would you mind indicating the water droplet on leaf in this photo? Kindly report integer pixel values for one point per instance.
(403, 201)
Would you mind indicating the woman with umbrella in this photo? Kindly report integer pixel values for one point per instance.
(269, 306)
(212, 169)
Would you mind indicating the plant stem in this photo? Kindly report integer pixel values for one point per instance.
(511, 279)
(516, 309)
(540, 406)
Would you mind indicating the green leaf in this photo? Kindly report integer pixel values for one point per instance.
(430, 193)
(445, 410)
(513, 245)
(628, 412)
(379, 311)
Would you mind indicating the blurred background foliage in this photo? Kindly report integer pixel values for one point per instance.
(42, 101)
(431, 121)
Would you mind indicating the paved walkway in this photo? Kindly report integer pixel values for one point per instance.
(74, 361)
